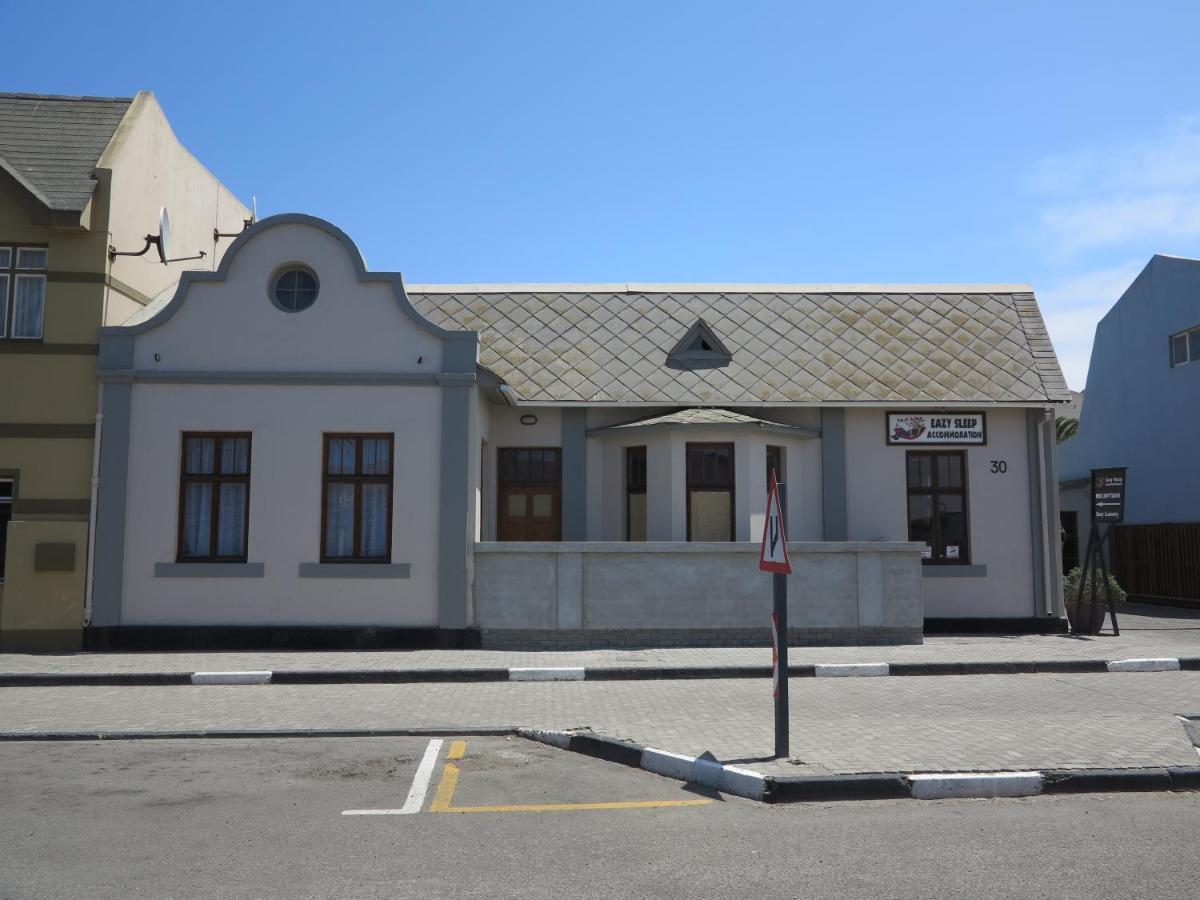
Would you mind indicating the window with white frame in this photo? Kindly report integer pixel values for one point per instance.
(1185, 347)
(22, 291)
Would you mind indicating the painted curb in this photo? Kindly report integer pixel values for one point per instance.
(94, 679)
(752, 785)
(231, 678)
(608, 673)
(1090, 781)
(388, 676)
(562, 673)
(810, 788)
(852, 670)
(704, 772)
(1162, 664)
(252, 733)
(942, 786)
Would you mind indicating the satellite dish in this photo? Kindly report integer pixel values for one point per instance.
(164, 235)
(162, 240)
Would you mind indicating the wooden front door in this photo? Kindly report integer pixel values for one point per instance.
(530, 494)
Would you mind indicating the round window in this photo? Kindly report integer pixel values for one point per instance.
(295, 289)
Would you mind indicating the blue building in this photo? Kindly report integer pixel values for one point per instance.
(1142, 411)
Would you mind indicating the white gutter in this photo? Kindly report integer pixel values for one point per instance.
(507, 394)
(91, 551)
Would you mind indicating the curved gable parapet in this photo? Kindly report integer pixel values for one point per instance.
(460, 346)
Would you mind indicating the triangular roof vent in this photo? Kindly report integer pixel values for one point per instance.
(700, 348)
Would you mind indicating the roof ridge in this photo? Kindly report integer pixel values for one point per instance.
(16, 95)
(636, 287)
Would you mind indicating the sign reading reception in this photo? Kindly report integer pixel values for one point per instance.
(936, 428)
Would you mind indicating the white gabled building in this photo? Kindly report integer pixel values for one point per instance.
(296, 449)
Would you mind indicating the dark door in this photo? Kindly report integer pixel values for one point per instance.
(1069, 532)
(530, 494)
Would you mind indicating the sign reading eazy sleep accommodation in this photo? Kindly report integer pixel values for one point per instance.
(919, 428)
(1108, 496)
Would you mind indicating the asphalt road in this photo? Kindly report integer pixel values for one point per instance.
(216, 818)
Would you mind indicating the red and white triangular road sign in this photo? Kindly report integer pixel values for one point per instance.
(774, 556)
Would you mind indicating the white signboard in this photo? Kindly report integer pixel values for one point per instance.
(919, 428)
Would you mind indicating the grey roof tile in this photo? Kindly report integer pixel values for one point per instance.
(884, 344)
(52, 144)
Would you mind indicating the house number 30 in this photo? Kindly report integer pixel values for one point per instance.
(999, 466)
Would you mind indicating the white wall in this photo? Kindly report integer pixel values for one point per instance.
(234, 326)
(998, 509)
(285, 504)
(151, 169)
(666, 478)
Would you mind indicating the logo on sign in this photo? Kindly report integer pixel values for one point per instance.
(936, 428)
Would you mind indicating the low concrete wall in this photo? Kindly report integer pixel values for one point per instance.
(661, 594)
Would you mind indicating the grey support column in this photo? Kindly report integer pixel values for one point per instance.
(1053, 517)
(574, 474)
(109, 567)
(1037, 507)
(454, 505)
(833, 474)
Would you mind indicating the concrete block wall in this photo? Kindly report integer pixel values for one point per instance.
(572, 594)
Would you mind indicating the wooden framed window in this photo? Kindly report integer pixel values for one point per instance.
(530, 494)
(22, 291)
(937, 505)
(356, 498)
(710, 492)
(214, 497)
(635, 493)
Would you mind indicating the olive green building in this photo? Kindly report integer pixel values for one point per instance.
(78, 175)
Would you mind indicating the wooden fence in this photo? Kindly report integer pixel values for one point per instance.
(1158, 562)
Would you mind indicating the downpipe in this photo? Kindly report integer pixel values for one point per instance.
(1050, 529)
(91, 545)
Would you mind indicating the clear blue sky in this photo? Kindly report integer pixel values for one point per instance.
(1055, 143)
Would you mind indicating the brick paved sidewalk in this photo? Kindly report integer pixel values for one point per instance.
(1145, 632)
(838, 726)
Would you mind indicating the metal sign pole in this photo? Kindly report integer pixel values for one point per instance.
(1112, 607)
(779, 620)
(773, 558)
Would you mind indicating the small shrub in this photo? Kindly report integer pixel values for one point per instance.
(1071, 587)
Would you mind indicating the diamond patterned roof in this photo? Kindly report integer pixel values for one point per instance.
(790, 344)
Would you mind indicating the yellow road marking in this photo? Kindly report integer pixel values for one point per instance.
(445, 789)
(562, 807)
(444, 796)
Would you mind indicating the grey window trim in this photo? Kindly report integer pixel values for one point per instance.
(279, 274)
(209, 570)
(354, 570)
(712, 355)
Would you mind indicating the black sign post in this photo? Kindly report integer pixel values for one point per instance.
(1108, 508)
(773, 558)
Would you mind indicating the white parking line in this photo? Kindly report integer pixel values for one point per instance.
(416, 794)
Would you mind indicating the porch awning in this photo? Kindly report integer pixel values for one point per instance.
(707, 417)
